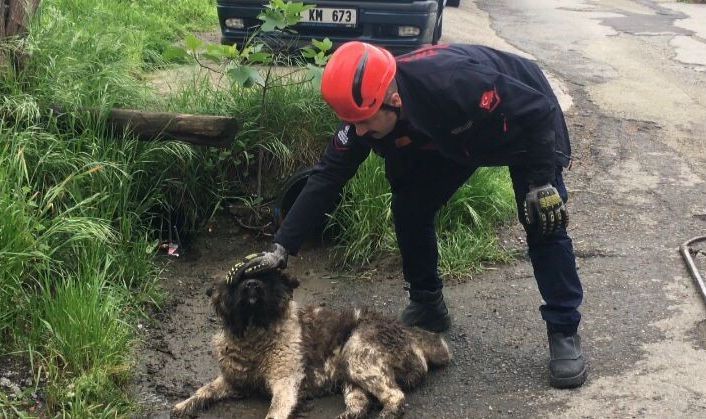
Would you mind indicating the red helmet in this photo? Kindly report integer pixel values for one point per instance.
(356, 79)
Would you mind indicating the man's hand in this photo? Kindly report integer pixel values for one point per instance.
(545, 210)
(263, 262)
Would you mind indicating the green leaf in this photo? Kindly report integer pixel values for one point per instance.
(321, 59)
(308, 52)
(231, 51)
(324, 45)
(260, 57)
(297, 8)
(245, 76)
(216, 50)
(271, 20)
(193, 43)
(315, 73)
(215, 53)
(173, 53)
(245, 53)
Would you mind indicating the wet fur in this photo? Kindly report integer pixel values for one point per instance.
(271, 346)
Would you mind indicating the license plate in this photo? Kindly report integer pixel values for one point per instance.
(331, 16)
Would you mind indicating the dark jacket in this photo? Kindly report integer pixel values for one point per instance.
(474, 105)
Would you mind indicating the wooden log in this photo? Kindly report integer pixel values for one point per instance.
(204, 130)
(15, 16)
(4, 7)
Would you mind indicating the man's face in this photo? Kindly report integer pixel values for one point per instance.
(382, 123)
(378, 125)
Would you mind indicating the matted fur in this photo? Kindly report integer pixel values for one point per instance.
(271, 346)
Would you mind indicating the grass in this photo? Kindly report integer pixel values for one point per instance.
(78, 205)
(467, 223)
(363, 220)
(465, 226)
(292, 125)
(75, 315)
(142, 29)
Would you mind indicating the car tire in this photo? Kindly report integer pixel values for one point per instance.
(453, 3)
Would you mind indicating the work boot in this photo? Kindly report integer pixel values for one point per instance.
(426, 310)
(567, 368)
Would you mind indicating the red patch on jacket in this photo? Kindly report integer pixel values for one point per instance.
(490, 100)
(402, 142)
(425, 52)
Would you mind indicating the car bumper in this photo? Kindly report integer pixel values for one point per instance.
(377, 23)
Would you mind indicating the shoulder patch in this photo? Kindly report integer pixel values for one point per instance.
(342, 136)
(490, 100)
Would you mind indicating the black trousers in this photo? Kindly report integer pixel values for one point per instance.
(423, 181)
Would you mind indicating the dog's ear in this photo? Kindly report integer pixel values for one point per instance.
(209, 291)
(219, 297)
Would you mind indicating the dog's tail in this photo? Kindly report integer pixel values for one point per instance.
(434, 346)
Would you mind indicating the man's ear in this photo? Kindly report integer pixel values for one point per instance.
(396, 100)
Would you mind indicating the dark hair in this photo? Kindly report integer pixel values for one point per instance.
(230, 301)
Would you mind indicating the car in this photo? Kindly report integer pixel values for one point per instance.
(398, 25)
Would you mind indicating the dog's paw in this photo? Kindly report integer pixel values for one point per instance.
(180, 410)
(392, 413)
(351, 415)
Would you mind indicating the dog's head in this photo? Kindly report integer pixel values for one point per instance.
(256, 301)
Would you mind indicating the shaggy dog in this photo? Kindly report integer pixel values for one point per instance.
(269, 345)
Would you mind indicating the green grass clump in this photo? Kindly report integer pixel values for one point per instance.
(292, 125)
(465, 226)
(150, 25)
(78, 205)
(86, 342)
(363, 220)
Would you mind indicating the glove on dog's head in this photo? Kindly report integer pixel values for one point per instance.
(258, 301)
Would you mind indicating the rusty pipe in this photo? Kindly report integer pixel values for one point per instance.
(686, 253)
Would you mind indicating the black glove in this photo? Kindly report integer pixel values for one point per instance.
(260, 262)
(545, 210)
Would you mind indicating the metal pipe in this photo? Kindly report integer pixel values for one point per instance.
(686, 253)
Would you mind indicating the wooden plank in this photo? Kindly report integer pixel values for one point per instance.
(204, 130)
(201, 130)
(20, 13)
(3, 18)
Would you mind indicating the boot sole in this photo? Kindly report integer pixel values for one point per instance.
(436, 328)
(569, 382)
(439, 328)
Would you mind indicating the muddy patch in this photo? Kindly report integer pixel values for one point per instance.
(17, 382)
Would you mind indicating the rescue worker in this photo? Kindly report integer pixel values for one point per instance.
(435, 115)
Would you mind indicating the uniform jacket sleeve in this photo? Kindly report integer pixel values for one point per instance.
(339, 163)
